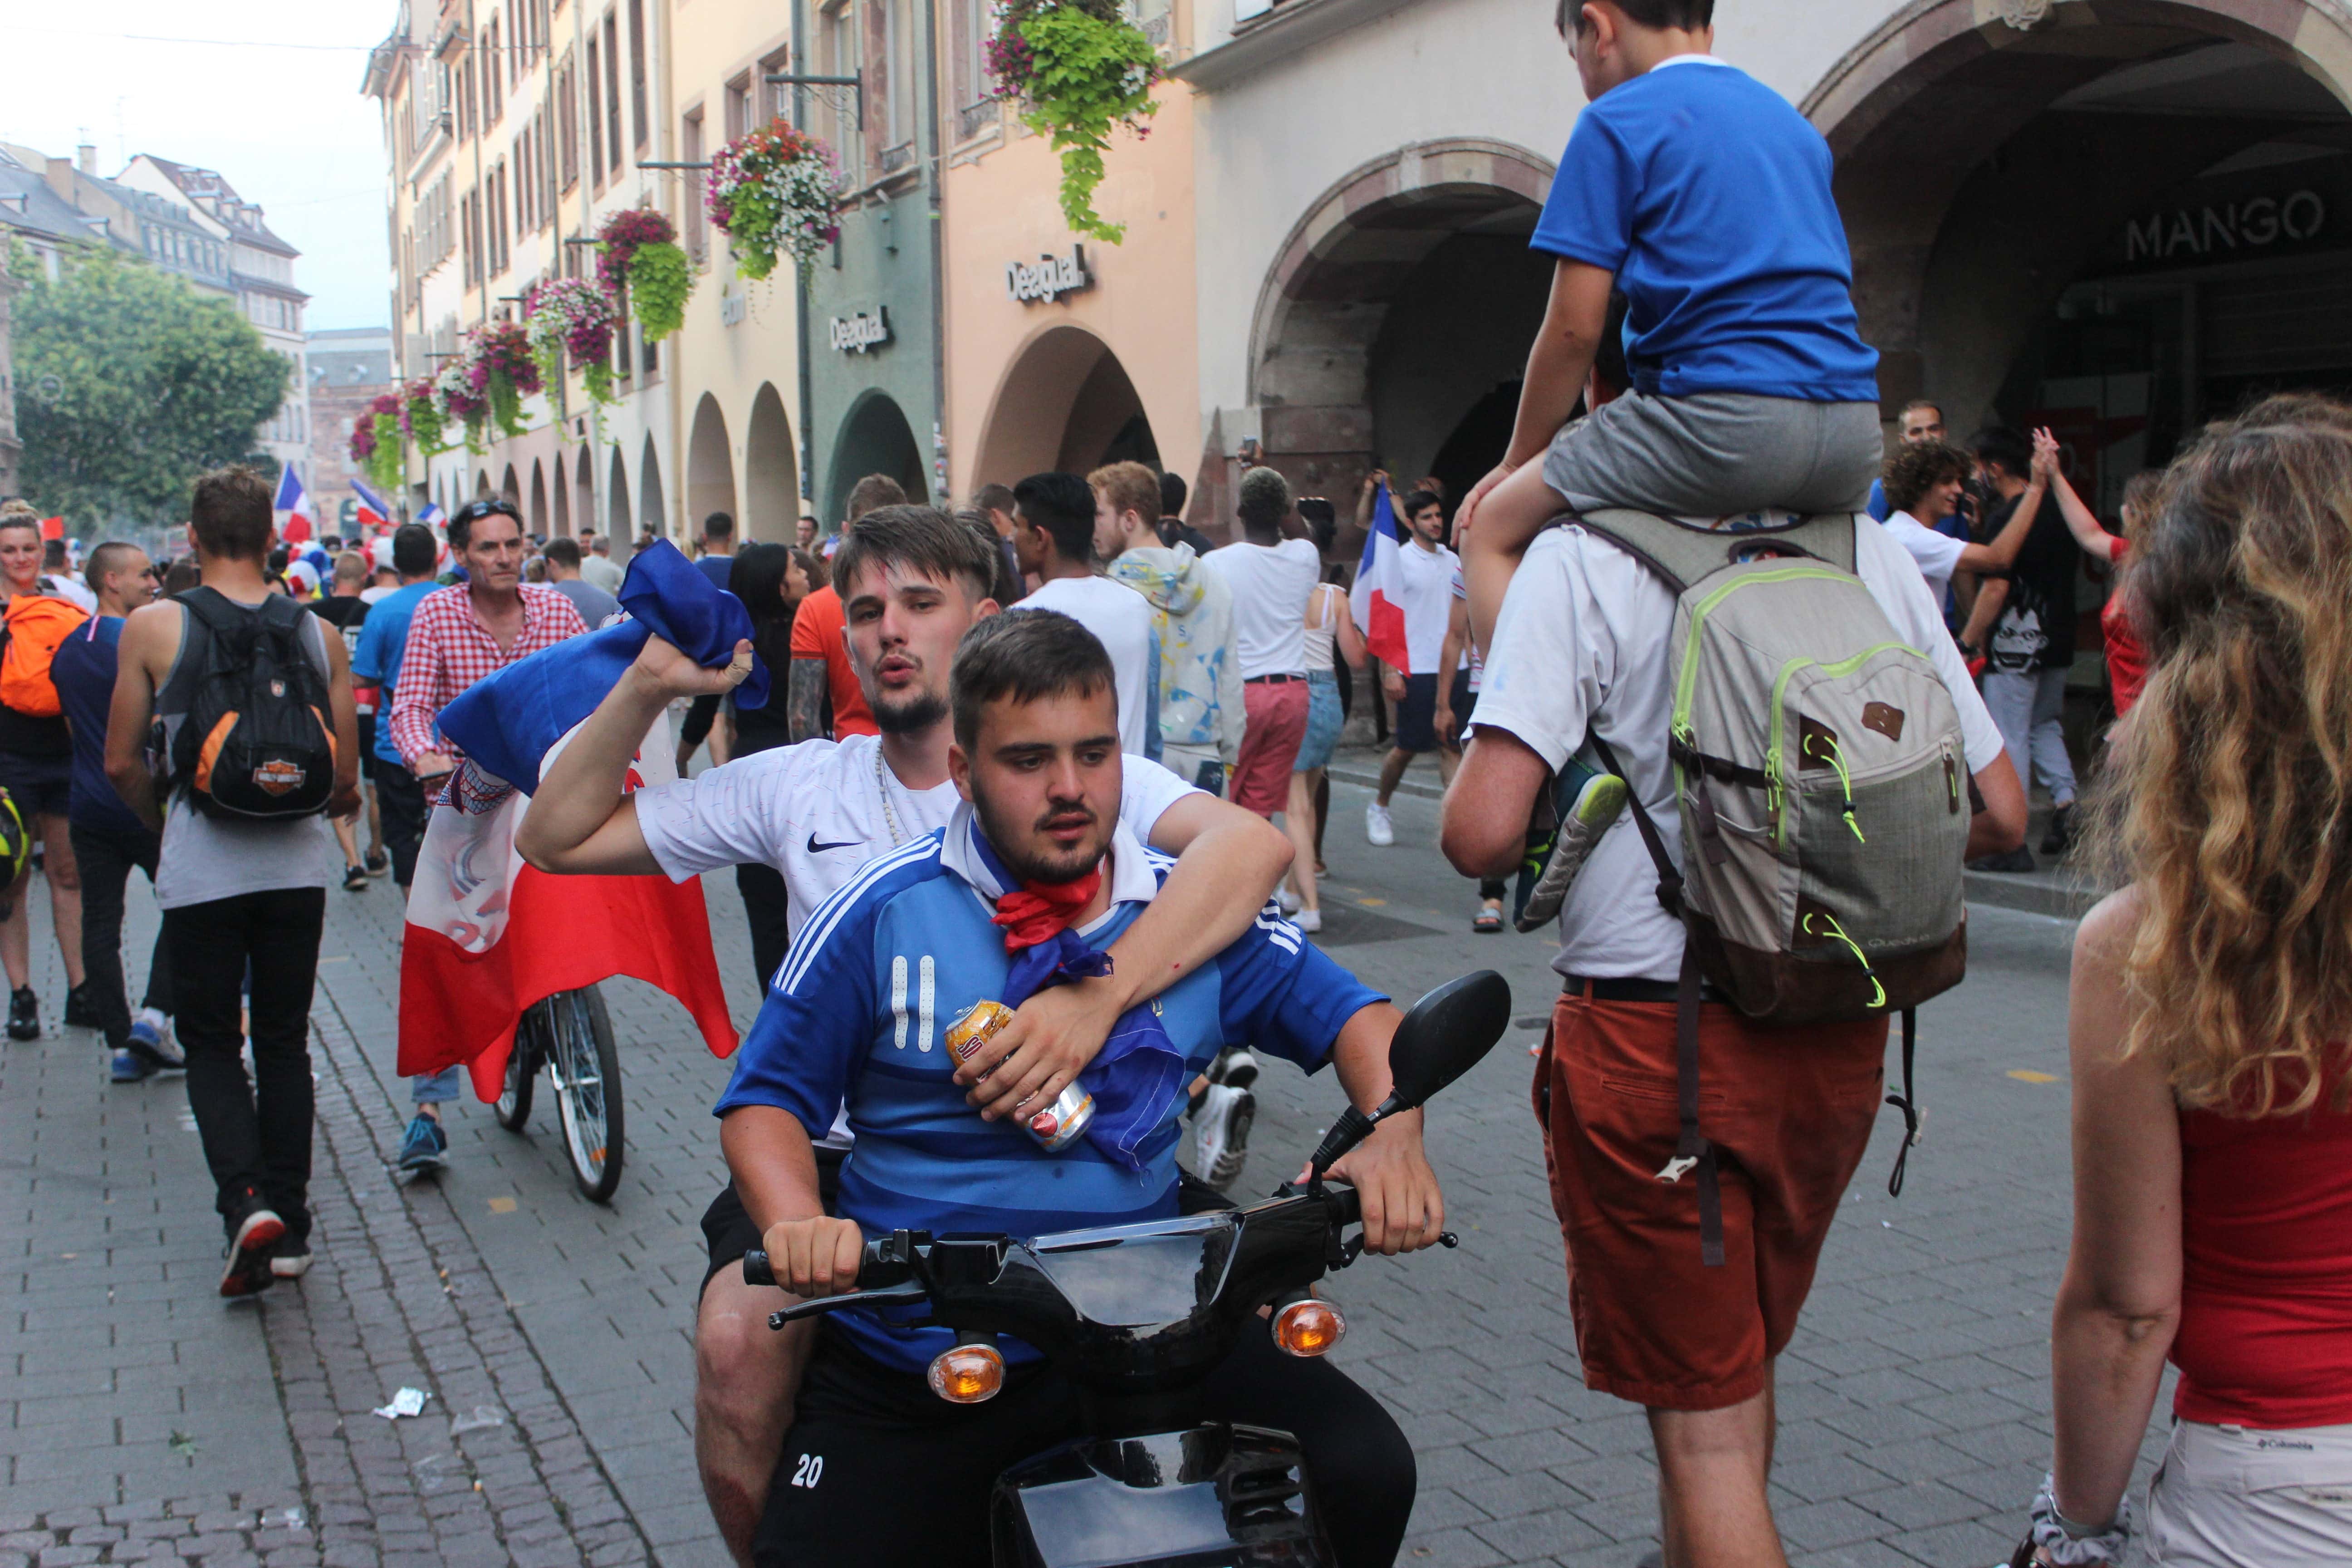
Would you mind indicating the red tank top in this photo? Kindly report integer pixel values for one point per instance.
(2266, 1336)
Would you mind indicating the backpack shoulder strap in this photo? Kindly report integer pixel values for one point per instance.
(1681, 555)
(210, 609)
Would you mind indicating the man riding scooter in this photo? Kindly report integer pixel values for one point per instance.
(1032, 879)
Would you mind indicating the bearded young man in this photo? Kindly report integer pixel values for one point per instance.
(1037, 854)
(912, 582)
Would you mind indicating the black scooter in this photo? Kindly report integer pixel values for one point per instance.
(1137, 1316)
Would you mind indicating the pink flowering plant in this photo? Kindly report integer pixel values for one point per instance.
(422, 419)
(503, 371)
(643, 270)
(572, 316)
(772, 191)
(1079, 70)
(375, 441)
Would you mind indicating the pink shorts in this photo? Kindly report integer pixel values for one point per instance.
(1276, 712)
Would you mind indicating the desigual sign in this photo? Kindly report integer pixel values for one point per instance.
(861, 332)
(1048, 277)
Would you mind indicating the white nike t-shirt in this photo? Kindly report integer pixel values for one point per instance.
(818, 811)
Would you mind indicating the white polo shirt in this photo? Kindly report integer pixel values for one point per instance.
(1582, 642)
(1937, 554)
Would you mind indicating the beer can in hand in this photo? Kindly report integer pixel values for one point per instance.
(1055, 1126)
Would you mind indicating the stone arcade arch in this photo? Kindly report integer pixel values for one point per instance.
(616, 499)
(771, 483)
(1951, 120)
(876, 439)
(1066, 402)
(709, 466)
(651, 497)
(537, 514)
(1401, 303)
(584, 495)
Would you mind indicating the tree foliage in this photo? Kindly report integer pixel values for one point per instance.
(129, 383)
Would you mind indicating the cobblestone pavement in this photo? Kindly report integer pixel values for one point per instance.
(140, 1419)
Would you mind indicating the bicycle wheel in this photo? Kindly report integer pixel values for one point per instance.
(586, 1069)
(513, 1105)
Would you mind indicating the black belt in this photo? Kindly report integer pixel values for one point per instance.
(1652, 991)
(1270, 680)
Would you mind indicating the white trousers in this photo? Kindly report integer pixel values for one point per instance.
(2232, 1497)
(2025, 707)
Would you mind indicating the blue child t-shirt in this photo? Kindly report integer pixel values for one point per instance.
(1707, 196)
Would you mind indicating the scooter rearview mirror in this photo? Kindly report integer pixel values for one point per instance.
(1448, 1032)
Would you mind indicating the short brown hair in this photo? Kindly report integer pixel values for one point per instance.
(561, 552)
(1128, 486)
(351, 566)
(1657, 14)
(1028, 656)
(921, 537)
(229, 510)
(874, 492)
(1912, 472)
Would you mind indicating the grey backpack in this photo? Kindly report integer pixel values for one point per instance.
(1824, 790)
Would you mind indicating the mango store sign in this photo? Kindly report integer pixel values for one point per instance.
(2223, 230)
(1048, 277)
(859, 333)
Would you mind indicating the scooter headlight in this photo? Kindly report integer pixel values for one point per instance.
(1308, 1328)
(967, 1374)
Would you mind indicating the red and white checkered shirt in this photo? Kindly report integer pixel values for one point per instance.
(449, 650)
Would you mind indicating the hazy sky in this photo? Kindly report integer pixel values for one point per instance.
(289, 127)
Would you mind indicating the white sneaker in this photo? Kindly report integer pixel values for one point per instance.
(1377, 825)
(1225, 1119)
(1309, 921)
(1289, 900)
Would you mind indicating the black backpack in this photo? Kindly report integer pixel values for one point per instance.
(257, 740)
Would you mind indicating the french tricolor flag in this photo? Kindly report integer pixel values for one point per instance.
(1377, 601)
(487, 935)
(293, 508)
(373, 511)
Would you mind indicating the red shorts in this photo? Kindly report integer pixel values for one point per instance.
(1789, 1112)
(1276, 711)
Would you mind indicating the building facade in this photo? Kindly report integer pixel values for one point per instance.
(350, 369)
(1063, 352)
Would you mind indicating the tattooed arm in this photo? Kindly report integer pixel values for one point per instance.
(805, 705)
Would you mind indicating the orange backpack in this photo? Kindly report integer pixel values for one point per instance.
(34, 626)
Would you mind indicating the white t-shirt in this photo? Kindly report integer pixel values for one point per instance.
(1582, 642)
(1939, 555)
(1428, 604)
(816, 812)
(1270, 585)
(1121, 618)
(70, 591)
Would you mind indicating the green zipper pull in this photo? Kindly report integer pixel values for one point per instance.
(1845, 780)
(1836, 932)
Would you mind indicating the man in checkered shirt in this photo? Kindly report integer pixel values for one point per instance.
(458, 636)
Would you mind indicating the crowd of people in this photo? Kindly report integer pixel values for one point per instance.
(1031, 754)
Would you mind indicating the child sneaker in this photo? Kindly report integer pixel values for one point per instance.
(1597, 804)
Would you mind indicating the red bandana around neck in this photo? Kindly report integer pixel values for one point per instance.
(1039, 911)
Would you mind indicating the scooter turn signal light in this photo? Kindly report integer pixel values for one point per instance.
(1308, 1328)
(967, 1373)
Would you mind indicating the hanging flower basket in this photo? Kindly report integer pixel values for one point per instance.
(575, 317)
(421, 417)
(502, 369)
(1079, 69)
(771, 191)
(375, 442)
(643, 271)
(461, 401)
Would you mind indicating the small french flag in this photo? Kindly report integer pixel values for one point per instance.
(373, 511)
(1377, 601)
(293, 505)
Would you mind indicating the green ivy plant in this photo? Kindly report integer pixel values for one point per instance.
(1081, 70)
(659, 282)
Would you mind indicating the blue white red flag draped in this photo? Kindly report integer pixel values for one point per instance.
(487, 935)
(373, 511)
(1377, 601)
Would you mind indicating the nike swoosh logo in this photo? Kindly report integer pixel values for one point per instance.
(816, 849)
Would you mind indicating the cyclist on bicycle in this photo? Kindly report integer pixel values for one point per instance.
(1040, 843)
(459, 635)
(913, 580)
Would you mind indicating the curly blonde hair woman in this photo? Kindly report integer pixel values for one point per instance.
(2212, 996)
